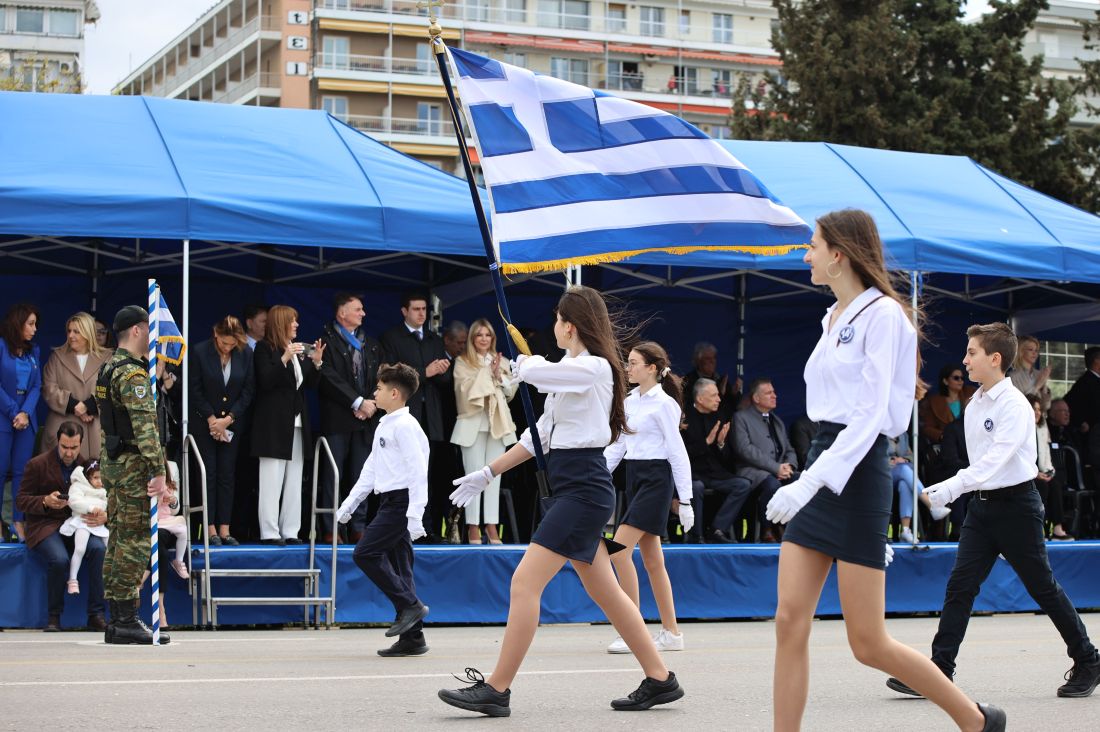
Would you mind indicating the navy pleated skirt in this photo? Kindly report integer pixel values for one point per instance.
(649, 492)
(580, 505)
(850, 527)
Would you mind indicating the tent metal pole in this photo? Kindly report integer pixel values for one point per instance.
(741, 325)
(95, 279)
(186, 327)
(914, 290)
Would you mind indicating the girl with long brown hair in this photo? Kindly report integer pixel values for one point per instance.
(20, 389)
(584, 413)
(860, 383)
(657, 470)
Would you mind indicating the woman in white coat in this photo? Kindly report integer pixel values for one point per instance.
(484, 429)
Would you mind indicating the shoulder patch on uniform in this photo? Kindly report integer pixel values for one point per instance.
(141, 391)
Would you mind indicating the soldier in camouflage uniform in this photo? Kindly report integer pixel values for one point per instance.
(133, 471)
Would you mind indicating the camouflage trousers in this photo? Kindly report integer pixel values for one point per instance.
(128, 546)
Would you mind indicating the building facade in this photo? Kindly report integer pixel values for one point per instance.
(368, 62)
(42, 44)
(1057, 37)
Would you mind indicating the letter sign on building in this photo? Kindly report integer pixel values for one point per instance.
(297, 17)
(297, 43)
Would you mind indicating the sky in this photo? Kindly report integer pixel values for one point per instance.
(130, 31)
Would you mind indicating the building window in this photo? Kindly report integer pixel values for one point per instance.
(515, 11)
(424, 58)
(1067, 363)
(65, 23)
(478, 10)
(570, 69)
(572, 14)
(653, 21)
(516, 59)
(334, 53)
(616, 18)
(429, 118)
(30, 20)
(723, 28)
(624, 76)
(685, 22)
(723, 83)
(336, 106)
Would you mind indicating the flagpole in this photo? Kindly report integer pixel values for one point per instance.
(154, 573)
(435, 33)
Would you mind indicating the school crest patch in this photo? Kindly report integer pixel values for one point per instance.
(381, 441)
(988, 425)
(846, 334)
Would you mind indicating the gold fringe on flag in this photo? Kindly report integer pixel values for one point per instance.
(551, 265)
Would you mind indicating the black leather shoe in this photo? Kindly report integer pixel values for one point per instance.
(719, 537)
(480, 697)
(273, 542)
(1081, 680)
(995, 718)
(902, 688)
(651, 693)
(229, 541)
(293, 541)
(407, 618)
(53, 624)
(412, 646)
(97, 623)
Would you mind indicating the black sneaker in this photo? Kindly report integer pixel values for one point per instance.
(1080, 680)
(480, 697)
(902, 688)
(413, 646)
(651, 693)
(995, 718)
(407, 618)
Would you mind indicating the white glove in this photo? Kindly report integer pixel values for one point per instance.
(470, 486)
(687, 516)
(889, 554)
(416, 529)
(343, 514)
(940, 494)
(789, 500)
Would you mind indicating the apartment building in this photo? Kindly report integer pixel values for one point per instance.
(42, 43)
(1057, 36)
(368, 63)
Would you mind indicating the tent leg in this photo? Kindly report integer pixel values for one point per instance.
(186, 330)
(914, 289)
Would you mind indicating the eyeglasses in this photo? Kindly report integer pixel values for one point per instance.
(956, 378)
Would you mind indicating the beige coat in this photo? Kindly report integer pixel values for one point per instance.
(62, 379)
(475, 394)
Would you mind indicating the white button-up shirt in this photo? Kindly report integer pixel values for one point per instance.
(863, 374)
(577, 412)
(654, 418)
(398, 460)
(1000, 439)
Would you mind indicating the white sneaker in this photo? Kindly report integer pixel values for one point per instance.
(906, 535)
(618, 646)
(668, 641)
(940, 512)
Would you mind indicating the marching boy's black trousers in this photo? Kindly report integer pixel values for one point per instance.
(385, 553)
(1010, 524)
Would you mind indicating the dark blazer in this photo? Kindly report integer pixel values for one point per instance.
(1083, 399)
(11, 403)
(707, 461)
(401, 345)
(802, 434)
(337, 387)
(278, 401)
(210, 395)
(753, 447)
(41, 477)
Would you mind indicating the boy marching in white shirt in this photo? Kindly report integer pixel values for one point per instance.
(1006, 516)
(397, 469)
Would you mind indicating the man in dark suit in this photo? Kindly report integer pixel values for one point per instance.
(348, 412)
(704, 360)
(413, 344)
(1083, 397)
(45, 479)
(706, 438)
(764, 454)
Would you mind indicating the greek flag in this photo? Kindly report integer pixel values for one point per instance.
(170, 345)
(579, 176)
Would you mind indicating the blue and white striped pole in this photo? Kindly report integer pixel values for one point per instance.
(154, 573)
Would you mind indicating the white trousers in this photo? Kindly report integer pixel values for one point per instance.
(280, 508)
(485, 450)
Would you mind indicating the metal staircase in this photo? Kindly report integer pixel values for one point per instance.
(205, 603)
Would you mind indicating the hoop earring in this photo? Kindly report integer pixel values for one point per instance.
(830, 272)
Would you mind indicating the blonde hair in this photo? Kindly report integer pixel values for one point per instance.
(85, 326)
(230, 327)
(279, 318)
(1018, 362)
(471, 351)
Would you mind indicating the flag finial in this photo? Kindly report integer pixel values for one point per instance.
(435, 30)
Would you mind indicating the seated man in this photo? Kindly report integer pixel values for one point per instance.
(45, 479)
(706, 438)
(765, 457)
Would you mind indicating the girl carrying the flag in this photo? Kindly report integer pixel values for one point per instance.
(860, 383)
(584, 413)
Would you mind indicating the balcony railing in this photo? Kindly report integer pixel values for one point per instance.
(238, 90)
(383, 64)
(399, 125)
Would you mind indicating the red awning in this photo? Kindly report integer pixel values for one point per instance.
(644, 50)
(735, 58)
(553, 44)
(689, 108)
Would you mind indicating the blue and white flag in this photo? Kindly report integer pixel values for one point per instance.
(579, 176)
(170, 344)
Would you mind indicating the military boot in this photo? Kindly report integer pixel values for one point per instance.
(129, 628)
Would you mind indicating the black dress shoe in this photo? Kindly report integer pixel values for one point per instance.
(1081, 680)
(995, 718)
(293, 541)
(97, 623)
(410, 646)
(480, 697)
(719, 537)
(651, 693)
(273, 542)
(53, 624)
(407, 618)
